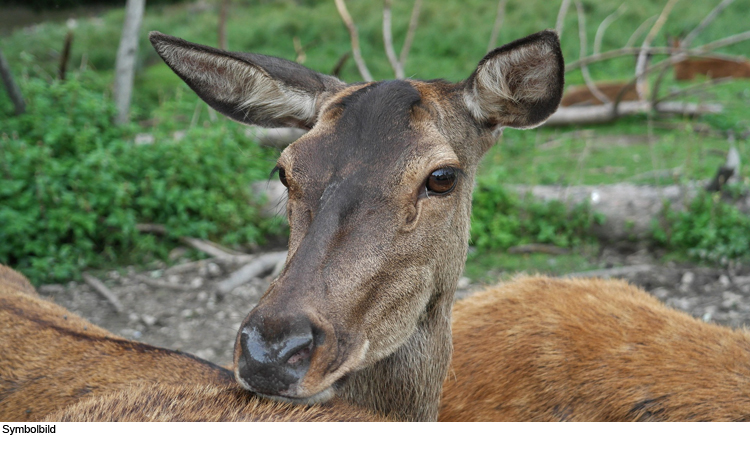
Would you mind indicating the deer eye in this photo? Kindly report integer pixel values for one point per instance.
(442, 181)
(282, 176)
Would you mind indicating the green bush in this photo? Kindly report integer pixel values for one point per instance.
(710, 229)
(500, 219)
(73, 186)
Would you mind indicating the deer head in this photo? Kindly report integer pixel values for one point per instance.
(379, 205)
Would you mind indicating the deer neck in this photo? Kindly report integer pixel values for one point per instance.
(407, 384)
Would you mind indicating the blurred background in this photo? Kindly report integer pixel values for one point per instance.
(112, 169)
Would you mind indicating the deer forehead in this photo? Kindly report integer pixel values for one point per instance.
(386, 133)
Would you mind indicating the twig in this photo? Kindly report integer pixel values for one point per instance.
(638, 31)
(300, 50)
(537, 248)
(222, 26)
(413, 21)
(561, 17)
(354, 36)
(336, 71)
(496, 26)
(585, 69)
(65, 54)
(705, 22)
(261, 264)
(613, 272)
(388, 41)
(640, 66)
(99, 287)
(208, 247)
(694, 88)
(603, 27)
(10, 85)
(162, 284)
(703, 50)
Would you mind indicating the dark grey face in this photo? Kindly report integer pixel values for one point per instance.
(359, 186)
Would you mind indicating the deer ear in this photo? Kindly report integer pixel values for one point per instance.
(518, 85)
(249, 88)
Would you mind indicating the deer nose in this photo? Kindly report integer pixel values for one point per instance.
(275, 358)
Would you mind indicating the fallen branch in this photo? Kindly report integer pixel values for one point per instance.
(613, 272)
(99, 287)
(260, 265)
(537, 248)
(274, 137)
(208, 247)
(162, 284)
(595, 114)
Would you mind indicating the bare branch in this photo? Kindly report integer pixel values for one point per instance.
(705, 22)
(638, 31)
(561, 17)
(585, 69)
(697, 51)
(388, 41)
(640, 65)
(410, 33)
(694, 88)
(498, 23)
(603, 27)
(354, 36)
(222, 28)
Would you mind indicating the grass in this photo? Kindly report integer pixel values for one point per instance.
(451, 39)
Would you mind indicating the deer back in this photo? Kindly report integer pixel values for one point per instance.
(54, 363)
(544, 349)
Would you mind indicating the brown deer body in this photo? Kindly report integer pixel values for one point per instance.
(544, 349)
(379, 205)
(712, 67)
(57, 366)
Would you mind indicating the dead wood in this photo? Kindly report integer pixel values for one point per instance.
(261, 264)
(99, 287)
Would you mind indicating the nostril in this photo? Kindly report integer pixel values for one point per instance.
(296, 350)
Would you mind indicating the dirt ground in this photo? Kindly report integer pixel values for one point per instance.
(178, 307)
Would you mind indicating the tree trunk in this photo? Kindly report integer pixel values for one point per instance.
(10, 85)
(126, 58)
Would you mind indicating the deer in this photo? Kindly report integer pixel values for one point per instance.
(57, 366)
(712, 67)
(547, 349)
(379, 199)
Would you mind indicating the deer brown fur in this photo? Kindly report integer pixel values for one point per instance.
(56, 366)
(712, 67)
(362, 308)
(544, 349)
